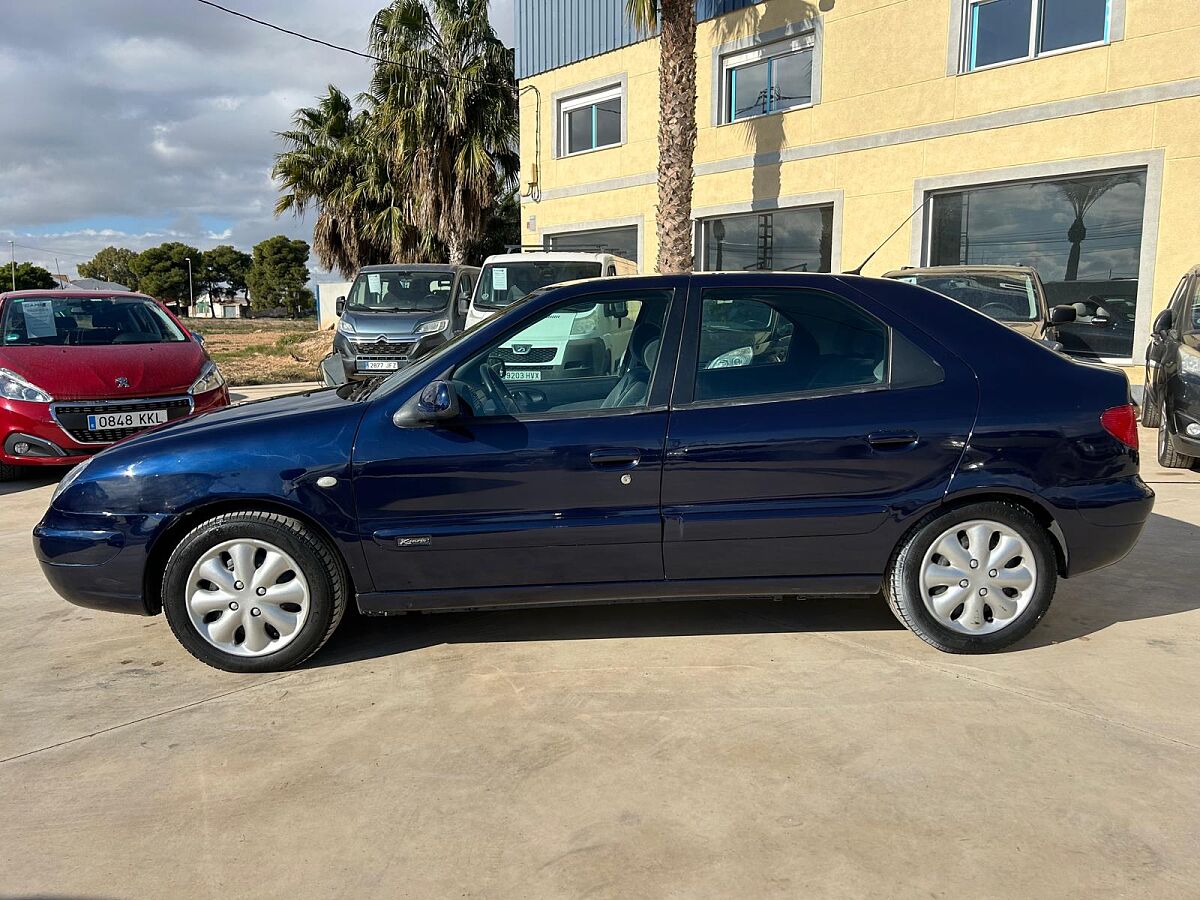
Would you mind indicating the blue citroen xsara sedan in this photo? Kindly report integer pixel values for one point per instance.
(757, 434)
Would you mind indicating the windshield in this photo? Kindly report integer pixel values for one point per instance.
(400, 292)
(501, 284)
(90, 321)
(1006, 298)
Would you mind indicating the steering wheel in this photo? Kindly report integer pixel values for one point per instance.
(497, 389)
(996, 308)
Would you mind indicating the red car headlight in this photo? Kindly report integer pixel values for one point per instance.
(14, 387)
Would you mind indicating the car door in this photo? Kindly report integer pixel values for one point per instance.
(1162, 354)
(504, 497)
(797, 456)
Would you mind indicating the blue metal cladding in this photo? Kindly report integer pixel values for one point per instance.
(553, 33)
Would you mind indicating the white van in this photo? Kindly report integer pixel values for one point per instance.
(508, 277)
(563, 345)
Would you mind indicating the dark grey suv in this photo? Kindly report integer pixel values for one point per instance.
(396, 314)
(1172, 400)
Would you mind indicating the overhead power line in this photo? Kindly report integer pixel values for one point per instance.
(328, 44)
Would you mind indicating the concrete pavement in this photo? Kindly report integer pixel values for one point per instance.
(749, 749)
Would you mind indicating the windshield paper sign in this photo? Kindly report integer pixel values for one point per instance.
(39, 318)
(500, 279)
(373, 282)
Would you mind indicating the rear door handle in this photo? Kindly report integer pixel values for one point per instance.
(615, 459)
(892, 440)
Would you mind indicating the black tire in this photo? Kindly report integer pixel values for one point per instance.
(902, 584)
(1151, 414)
(322, 568)
(1168, 457)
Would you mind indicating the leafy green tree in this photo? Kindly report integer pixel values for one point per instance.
(445, 103)
(28, 276)
(279, 275)
(503, 228)
(223, 269)
(112, 264)
(162, 271)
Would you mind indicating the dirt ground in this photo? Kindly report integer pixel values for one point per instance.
(264, 351)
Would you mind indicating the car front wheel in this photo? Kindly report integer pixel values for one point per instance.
(253, 592)
(974, 579)
(1168, 457)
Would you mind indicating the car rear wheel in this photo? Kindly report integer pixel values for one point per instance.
(974, 579)
(1168, 457)
(253, 592)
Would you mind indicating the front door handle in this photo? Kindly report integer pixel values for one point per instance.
(615, 459)
(892, 440)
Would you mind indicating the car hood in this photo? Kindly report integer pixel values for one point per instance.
(270, 448)
(1029, 329)
(91, 373)
(370, 325)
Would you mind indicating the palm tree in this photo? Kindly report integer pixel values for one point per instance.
(334, 163)
(446, 105)
(676, 123)
(1082, 195)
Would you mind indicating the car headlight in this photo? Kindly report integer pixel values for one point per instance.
(1190, 363)
(210, 379)
(69, 479)
(742, 356)
(346, 326)
(14, 387)
(585, 325)
(433, 327)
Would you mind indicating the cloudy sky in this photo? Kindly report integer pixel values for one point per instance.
(133, 122)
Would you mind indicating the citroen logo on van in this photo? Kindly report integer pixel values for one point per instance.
(122, 381)
(382, 339)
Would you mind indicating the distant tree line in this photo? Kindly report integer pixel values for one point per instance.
(275, 275)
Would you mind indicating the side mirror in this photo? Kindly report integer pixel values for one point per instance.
(199, 338)
(464, 305)
(1062, 315)
(339, 305)
(1164, 322)
(437, 402)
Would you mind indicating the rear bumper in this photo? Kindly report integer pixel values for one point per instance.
(1101, 523)
(49, 443)
(96, 561)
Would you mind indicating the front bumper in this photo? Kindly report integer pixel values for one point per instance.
(51, 444)
(97, 561)
(366, 356)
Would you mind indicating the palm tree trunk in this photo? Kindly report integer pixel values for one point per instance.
(454, 247)
(676, 134)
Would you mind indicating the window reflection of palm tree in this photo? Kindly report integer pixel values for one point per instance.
(1082, 195)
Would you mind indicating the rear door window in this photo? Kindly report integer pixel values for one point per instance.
(767, 343)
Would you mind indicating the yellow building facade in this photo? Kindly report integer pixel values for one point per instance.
(823, 126)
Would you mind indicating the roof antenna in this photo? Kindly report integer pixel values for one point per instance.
(861, 265)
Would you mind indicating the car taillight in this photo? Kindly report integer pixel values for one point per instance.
(1121, 423)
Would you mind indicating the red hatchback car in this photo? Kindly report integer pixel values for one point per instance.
(80, 371)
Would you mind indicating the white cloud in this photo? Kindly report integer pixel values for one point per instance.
(144, 121)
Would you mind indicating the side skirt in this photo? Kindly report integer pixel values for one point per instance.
(394, 603)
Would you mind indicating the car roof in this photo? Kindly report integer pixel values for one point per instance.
(961, 270)
(77, 294)
(549, 256)
(415, 267)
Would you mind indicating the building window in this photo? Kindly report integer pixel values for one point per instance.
(590, 121)
(784, 240)
(621, 241)
(1082, 233)
(1001, 31)
(768, 79)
